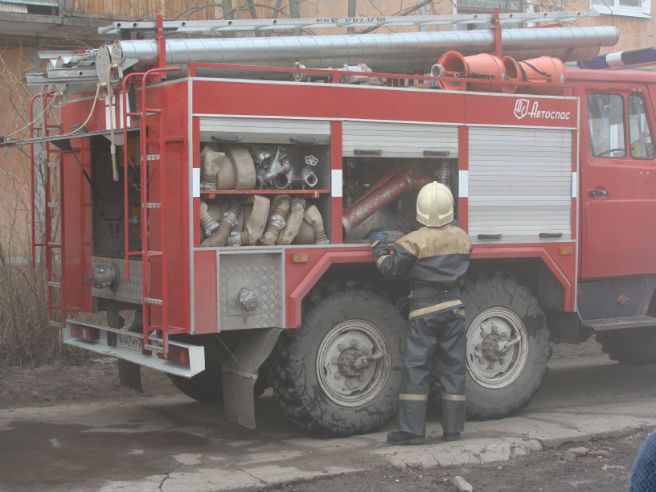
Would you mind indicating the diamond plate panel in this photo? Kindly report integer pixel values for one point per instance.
(128, 291)
(260, 272)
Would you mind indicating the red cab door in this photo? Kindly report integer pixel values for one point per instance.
(618, 185)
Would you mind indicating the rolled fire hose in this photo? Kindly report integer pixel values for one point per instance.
(220, 236)
(207, 221)
(209, 167)
(294, 221)
(244, 167)
(315, 220)
(277, 219)
(254, 225)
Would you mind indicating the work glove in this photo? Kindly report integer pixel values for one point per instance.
(379, 243)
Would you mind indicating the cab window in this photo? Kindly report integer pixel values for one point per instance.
(640, 135)
(606, 125)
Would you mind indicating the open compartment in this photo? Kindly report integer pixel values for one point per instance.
(264, 183)
(380, 193)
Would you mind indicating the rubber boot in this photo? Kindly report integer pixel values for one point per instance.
(402, 438)
(412, 416)
(453, 418)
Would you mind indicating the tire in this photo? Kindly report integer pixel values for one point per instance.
(206, 387)
(314, 377)
(636, 346)
(500, 310)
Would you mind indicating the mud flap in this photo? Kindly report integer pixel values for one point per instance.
(240, 375)
(129, 375)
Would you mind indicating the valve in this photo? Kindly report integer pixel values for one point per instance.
(247, 299)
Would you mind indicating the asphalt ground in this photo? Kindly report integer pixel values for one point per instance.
(171, 443)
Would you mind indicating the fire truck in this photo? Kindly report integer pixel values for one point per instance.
(211, 197)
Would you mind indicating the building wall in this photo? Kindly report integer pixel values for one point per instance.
(15, 61)
(14, 164)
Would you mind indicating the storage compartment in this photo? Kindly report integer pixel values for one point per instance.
(380, 194)
(264, 193)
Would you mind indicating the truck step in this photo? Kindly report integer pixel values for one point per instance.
(620, 323)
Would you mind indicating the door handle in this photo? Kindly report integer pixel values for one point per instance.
(598, 192)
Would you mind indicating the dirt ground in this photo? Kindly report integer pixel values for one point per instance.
(97, 379)
(601, 465)
(54, 384)
(598, 466)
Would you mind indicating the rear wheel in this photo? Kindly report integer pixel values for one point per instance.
(507, 345)
(207, 386)
(340, 373)
(630, 346)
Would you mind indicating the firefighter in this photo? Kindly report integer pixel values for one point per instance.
(434, 258)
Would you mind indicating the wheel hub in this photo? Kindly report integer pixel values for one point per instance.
(491, 349)
(497, 347)
(353, 363)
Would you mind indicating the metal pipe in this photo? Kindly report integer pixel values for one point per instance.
(376, 199)
(397, 52)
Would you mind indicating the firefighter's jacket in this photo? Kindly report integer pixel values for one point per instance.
(435, 259)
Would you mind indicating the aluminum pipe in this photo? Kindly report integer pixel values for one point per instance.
(398, 52)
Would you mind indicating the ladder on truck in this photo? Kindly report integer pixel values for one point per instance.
(47, 243)
(152, 163)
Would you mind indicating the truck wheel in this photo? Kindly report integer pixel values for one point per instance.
(630, 346)
(340, 373)
(206, 387)
(507, 346)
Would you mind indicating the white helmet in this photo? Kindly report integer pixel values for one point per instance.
(434, 205)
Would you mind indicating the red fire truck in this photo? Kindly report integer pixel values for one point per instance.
(212, 196)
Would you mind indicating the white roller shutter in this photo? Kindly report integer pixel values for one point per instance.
(520, 184)
(264, 130)
(409, 140)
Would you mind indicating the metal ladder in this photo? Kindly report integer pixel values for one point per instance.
(294, 24)
(53, 227)
(152, 157)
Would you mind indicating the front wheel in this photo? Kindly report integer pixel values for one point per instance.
(507, 345)
(340, 373)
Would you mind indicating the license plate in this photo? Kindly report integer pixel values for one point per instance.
(129, 342)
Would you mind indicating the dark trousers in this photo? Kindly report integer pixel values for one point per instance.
(437, 344)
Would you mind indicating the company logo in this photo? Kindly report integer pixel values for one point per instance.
(524, 108)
